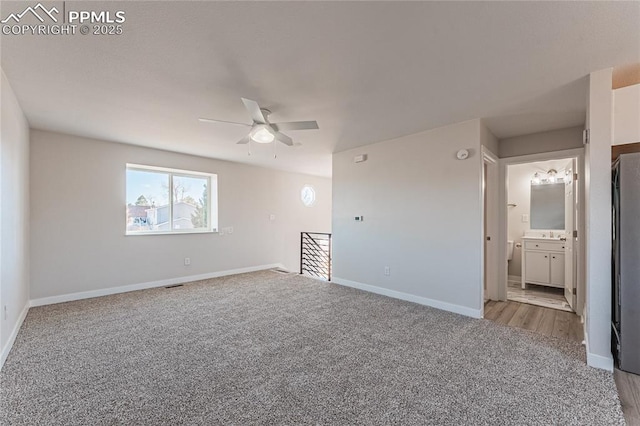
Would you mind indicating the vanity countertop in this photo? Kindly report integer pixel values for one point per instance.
(542, 238)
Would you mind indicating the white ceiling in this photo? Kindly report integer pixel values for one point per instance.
(366, 71)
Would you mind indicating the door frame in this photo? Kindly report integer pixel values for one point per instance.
(490, 225)
(579, 247)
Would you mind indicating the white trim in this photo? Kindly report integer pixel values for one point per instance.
(14, 334)
(179, 172)
(462, 310)
(489, 226)
(595, 360)
(514, 278)
(543, 156)
(143, 286)
(184, 231)
(488, 156)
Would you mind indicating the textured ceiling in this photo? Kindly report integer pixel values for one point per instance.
(366, 71)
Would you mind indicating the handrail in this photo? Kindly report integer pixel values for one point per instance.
(315, 254)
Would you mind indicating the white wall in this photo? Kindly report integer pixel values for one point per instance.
(535, 143)
(78, 241)
(598, 220)
(626, 115)
(14, 216)
(422, 218)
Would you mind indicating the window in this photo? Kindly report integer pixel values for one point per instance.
(308, 195)
(161, 201)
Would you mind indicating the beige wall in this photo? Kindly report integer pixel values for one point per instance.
(535, 143)
(626, 115)
(422, 218)
(78, 240)
(488, 140)
(14, 216)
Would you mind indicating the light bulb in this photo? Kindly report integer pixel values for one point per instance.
(536, 179)
(262, 134)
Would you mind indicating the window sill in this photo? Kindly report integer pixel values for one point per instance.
(137, 234)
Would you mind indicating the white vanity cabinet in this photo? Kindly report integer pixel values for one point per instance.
(543, 262)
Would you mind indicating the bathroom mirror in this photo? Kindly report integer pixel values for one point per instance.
(547, 206)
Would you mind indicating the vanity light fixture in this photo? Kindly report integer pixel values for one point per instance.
(541, 178)
(536, 179)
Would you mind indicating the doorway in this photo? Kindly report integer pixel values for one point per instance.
(542, 227)
(490, 226)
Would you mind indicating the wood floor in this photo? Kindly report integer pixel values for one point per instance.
(564, 325)
(629, 391)
(547, 321)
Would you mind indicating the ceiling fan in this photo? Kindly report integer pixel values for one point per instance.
(262, 130)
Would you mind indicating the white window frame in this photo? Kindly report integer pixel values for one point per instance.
(212, 197)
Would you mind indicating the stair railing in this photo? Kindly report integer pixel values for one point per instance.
(315, 255)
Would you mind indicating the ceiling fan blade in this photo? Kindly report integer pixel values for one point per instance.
(296, 125)
(254, 110)
(211, 120)
(245, 140)
(284, 139)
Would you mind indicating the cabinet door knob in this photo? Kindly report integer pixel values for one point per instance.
(536, 245)
(553, 257)
(545, 257)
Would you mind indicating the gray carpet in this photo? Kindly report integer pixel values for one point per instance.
(267, 348)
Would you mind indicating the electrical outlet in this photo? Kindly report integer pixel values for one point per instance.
(387, 271)
(187, 261)
(230, 230)
(525, 218)
(272, 217)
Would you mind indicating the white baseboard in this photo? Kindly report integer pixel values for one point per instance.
(462, 310)
(515, 278)
(143, 286)
(14, 334)
(595, 360)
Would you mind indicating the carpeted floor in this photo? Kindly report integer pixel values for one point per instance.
(267, 348)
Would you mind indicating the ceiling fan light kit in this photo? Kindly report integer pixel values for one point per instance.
(262, 134)
(262, 130)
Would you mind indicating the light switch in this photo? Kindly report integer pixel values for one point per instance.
(525, 218)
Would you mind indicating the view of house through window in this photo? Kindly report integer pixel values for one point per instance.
(165, 200)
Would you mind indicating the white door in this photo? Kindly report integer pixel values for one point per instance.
(490, 185)
(569, 225)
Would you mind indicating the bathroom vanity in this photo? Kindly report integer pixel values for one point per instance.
(543, 261)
